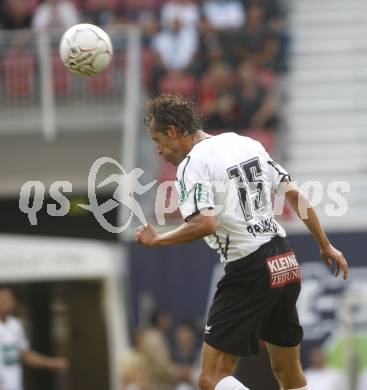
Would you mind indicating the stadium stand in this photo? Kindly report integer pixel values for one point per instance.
(327, 106)
(230, 71)
(232, 45)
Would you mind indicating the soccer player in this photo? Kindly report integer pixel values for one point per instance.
(15, 348)
(225, 185)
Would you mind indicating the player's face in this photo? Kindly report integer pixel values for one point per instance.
(7, 302)
(168, 145)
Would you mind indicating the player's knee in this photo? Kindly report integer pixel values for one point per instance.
(209, 381)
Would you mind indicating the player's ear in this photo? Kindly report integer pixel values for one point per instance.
(172, 131)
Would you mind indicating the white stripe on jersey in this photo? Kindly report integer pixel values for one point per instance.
(235, 176)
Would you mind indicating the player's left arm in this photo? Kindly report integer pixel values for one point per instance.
(197, 227)
(38, 360)
(309, 217)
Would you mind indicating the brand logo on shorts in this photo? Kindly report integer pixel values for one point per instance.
(208, 329)
(283, 269)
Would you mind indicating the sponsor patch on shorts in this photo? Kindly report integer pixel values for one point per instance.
(283, 269)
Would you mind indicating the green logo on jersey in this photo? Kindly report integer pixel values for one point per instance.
(182, 195)
(10, 354)
(202, 193)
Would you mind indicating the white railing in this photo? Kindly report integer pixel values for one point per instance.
(38, 94)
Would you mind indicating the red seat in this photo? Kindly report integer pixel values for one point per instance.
(32, 5)
(265, 137)
(101, 84)
(148, 61)
(119, 59)
(19, 72)
(178, 82)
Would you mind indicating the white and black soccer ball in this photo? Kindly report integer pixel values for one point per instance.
(86, 49)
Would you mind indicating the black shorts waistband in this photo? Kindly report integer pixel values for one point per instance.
(279, 242)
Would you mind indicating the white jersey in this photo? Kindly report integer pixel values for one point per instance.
(236, 177)
(13, 343)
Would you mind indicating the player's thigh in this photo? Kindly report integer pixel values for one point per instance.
(215, 365)
(285, 360)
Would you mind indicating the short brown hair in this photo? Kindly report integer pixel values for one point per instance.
(172, 110)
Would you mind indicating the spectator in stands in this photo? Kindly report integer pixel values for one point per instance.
(141, 12)
(176, 46)
(321, 377)
(217, 100)
(223, 114)
(257, 108)
(162, 322)
(15, 348)
(210, 49)
(254, 32)
(150, 26)
(265, 33)
(224, 14)
(271, 57)
(99, 14)
(187, 11)
(185, 352)
(15, 15)
(190, 40)
(134, 367)
(53, 14)
(153, 346)
(272, 9)
(185, 343)
(217, 82)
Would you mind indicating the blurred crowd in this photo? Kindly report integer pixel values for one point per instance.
(225, 54)
(162, 357)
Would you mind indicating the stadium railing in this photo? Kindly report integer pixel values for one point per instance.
(38, 93)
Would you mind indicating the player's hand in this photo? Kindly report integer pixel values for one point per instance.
(60, 363)
(332, 255)
(146, 235)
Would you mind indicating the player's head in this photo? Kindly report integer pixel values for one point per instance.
(161, 319)
(172, 123)
(184, 336)
(7, 301)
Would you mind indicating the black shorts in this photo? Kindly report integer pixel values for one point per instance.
(256, 299)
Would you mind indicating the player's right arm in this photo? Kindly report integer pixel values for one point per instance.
(196, 202)
(307, 214)
(37, 360)
(197, 227)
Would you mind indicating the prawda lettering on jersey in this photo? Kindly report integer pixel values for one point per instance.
(267, 225)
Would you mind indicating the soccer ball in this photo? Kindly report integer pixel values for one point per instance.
(85, 49)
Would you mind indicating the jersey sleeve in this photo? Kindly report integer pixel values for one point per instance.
(276, 172)
(195, 192)
(22, 338)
